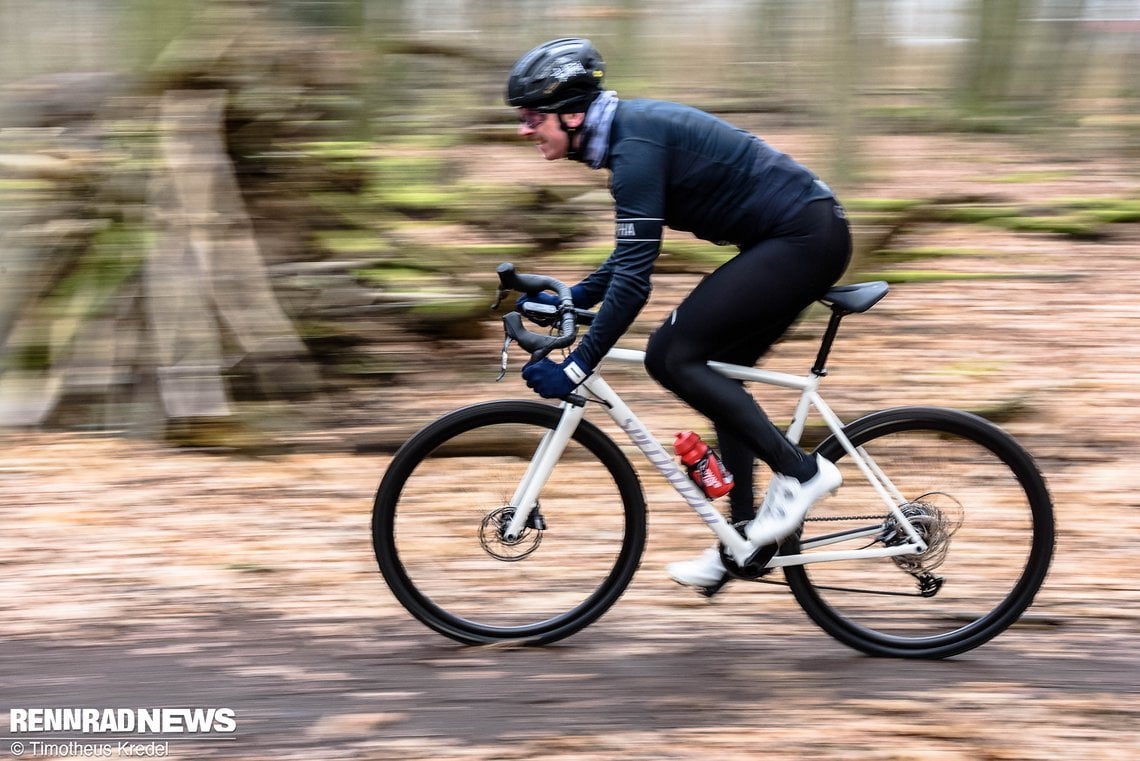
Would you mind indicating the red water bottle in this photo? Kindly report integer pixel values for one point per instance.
(704, 467)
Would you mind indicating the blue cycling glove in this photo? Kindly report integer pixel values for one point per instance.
(553, 381)
(577, 293)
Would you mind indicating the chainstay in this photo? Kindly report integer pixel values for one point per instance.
(854, 590)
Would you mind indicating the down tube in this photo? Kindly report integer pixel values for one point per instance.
(660, 459)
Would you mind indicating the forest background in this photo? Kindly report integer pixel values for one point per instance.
(211, 211)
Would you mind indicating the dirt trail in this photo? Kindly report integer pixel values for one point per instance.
(134, 576)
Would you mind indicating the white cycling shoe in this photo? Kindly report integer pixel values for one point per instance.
(784, 508)
(788, 501)
(706, 571)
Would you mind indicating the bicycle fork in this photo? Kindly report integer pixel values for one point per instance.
(542, 463)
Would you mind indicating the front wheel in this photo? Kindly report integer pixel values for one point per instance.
(439, 513)
(978, 500)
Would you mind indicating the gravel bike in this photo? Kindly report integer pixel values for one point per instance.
(522, 522)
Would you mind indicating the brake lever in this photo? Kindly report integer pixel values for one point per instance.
(506, 353)
(499, 296)
(574, 399)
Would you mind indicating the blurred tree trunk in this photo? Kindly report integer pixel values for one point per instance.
(28, 387)
(1063, 53)
(354, 20)
(844, 81)
(358, 20)
(13, 42)
(992, 58)
(206, 271)
(151, 26)
(774, 48)
(110, 308)
(382, 87)
(629, 57)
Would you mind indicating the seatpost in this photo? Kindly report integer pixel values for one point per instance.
(820, 366)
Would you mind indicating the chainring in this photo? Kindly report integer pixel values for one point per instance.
(757, 565)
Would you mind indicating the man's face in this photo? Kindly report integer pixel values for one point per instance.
(546, 133)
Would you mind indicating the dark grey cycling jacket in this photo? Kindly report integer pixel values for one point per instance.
(679, 167)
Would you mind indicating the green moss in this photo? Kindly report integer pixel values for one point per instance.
(501, 251)
(338, 149)
(1107, 210)
(933, 117)
(352, 242)
(392, 275)
(873, 218)
(932, 276)
(429, 141)
(1102, 203)
(879, 205)
(971, 369)
(1070, 225)
(32, 356)
(972, 214)
(899, 255)
(586, 256)
(444, 310)
(1119, 215)
(417, 169)
(417, 197)
(322, 331)
(116, 253)
(226, 433)
(1043, 175)
(24, 185)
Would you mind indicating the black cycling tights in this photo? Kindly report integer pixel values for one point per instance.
(735, 315)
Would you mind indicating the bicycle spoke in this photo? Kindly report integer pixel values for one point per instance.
(441, 537)
(974, 497)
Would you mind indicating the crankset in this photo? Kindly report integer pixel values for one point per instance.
(757, 565)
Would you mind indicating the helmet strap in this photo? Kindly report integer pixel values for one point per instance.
(572, 151)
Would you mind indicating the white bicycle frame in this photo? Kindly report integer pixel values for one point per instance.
(553, 444)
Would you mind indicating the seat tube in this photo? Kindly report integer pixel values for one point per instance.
(799, 419)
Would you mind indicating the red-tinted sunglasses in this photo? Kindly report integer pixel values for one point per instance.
(532, 119)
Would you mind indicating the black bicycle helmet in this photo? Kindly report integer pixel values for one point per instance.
(558, 77)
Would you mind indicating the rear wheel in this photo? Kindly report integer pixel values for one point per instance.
(978, 500)
(441, 507)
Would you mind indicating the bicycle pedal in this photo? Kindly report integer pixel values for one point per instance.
(757, 564)
(536, 521)
(709, 592)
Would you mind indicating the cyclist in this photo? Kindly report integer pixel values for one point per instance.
(676, 166)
